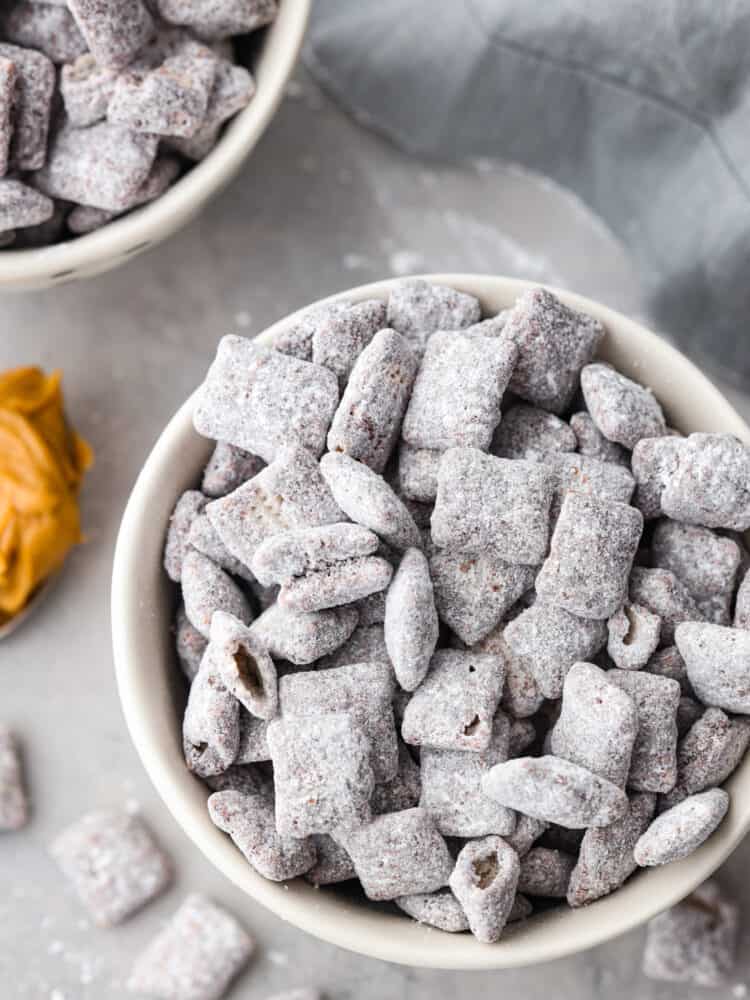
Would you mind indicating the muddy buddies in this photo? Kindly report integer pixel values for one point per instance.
(458, 610)
(104, 105)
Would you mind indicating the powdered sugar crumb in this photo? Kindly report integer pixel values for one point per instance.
(278, 958)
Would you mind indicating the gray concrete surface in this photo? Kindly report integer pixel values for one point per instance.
(322, 205)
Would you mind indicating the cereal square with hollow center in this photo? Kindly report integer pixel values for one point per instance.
(484, 882)
(211, 724)
(399, 854)
(243, 665)
(554, 343)
(529, 432)
(113, 863)
(453, 707)
(195, 957)
(32, 109)
(485, 502)
(322, 775)
(623, 410)
(338, 342)
(14, 806)
(418, 309)
(633, 635)
(263, 401)
(457, 393)
(591, 554)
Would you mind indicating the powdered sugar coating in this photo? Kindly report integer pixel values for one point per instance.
(253, 745)
(417, 309)
(47, 27)
(653, 766)
(521, 695)
(211, 724)
(21, 205)
(205, 538)
(333, 864)
(114, 32)
(708, 753)
(529, 432)
(366, 644)
(195, 957)
(367, 422)
(190, 645)
(220, 19)
(591, 554)
(455, 704)
(187, 508)
(342, 583)
(263, 401)
(555, 790)
(32, 111)
(688, 712)
(304, 638)
(8, 91)
(522, 735)
(113, 863)
(243, 665)
(486, 502)
(662, 593)
(554, 343)
(633, 635)
(411, 622)
(623, 410)
(592, 443)
(589, 476)
(338, 342)
(294, 553)
(418, 472)
(86, 89)
(484, 882)
(718, 664)
(527, 830)
(206, 588)
(402, 791)
(742, 604)
(667, 662)
(399, 854)
(227, 468)
(546, 872)
(681, 830)
(14, 806)
(438, 909)
(652, 463)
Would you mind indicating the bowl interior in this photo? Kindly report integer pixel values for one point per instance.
(153, 695)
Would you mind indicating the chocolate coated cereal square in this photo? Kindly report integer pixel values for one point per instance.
(417, 309)
(114, 31)
(623, 410)
(33, 106)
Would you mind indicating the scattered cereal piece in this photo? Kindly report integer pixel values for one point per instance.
(206, 588)
(294, 553)
(438, 909)
(189, 643)
(555, 790)
(341, 583)
(304, 638)
(623, 410)
(484, 882)
(187, 508)
(418, 472)
(263, 401)
(653, 766)
(211, 725)
(708, 753)
(554, 343)
(220, 19)
(33, 106)
(113, 863)
(195, 957)
(417, 309)
(401, 792)
(633, 636)
(592, 443)
(680, 830)
(664, 595)
(114, 32)
(605, 858)
(454, 706)
(399, 854)
(14, 806)
(333, 865)
(545, 872)
(228, 468)
(47, 27)
(411, 621)
(86, 90)
(531, 433)
(718, 664)
(340, 340)
(243, 665)
(21, 206)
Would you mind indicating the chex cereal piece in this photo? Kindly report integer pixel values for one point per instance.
(14, 806)
(114, 33)
(206, 588)
(333, 864)
(227, 468)
(474, 592)
(598, 724)
(103, 165)
(402, 791)
(550, 640)
(86, 89)
(708, 753)
(633, 635)
(86, 218)
(591, 554)
(253, 745)
(113, 862)
(487, 502)
(545, 872)
(364, 689)
(456, 397)
(688, 712)
(195, 957)
(399, 854)
(220, 19)
(605, 858)
(8, 88)
(21, 205)
(46, 27)
(680, 830)
(623, 410)
(742, 604)
(527, 830)
(322, 775)
(187, 508)
(493, 326)
(169, 100)
(367, 499)
(522, 696)
(364, 645)
(554, 343)
(522, 735)
(718, 664)
(294, 553)
(454, 706)
(695, 941)
(484, 882)
(438, 909)
(263, 401)
(241, 662)
(417, 309)
(664, 595)
(706, 563)
(304, 638)
(699, 479)
(340, 341)
(528, 432)
(288, 494)
(555, 790)
(418, 472)
(296, 339)
(341, 583)
(32, 109)
(653, 765)
(205, 538)
(211, 725)
(452, 792)
(189, 644)
(233, 89)
(367, 422)
(583, 474)
(411, 622)
(592, 443)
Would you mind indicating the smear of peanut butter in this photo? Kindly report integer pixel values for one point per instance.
(42, 463)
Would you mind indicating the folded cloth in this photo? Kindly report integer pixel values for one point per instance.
(641, 108)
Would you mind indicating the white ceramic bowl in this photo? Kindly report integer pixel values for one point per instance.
(152, 697)
(122, 239)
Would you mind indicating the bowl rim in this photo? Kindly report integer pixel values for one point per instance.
(327, 915)
(147, 225)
